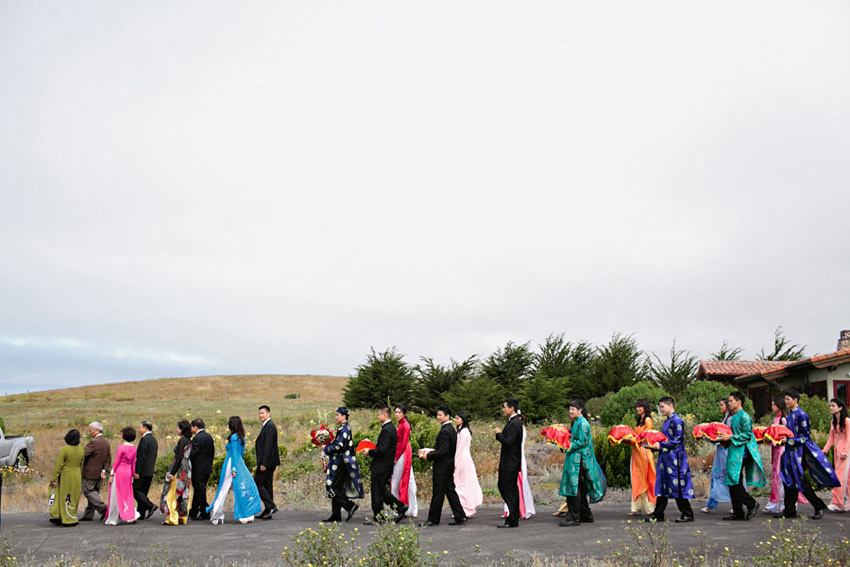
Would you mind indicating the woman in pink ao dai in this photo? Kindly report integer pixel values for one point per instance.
(839, 438)
(466, 479)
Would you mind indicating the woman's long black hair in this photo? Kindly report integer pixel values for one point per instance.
(647, 411)
(234, 424)
(839, 420)
(465, 421)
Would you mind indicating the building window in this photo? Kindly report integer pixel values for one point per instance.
(818, 389)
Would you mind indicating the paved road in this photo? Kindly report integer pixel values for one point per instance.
(262, 542)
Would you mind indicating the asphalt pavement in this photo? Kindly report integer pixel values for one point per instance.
(261, 543)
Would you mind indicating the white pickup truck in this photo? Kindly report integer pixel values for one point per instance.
(15, 450)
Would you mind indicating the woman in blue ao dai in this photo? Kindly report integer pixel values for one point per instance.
(235, 475)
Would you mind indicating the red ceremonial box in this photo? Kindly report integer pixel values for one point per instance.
(621, 434)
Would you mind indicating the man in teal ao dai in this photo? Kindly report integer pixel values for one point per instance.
(672, 475)
(582, 477)
(742, 457)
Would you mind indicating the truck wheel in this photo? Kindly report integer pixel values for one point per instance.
(22, 462)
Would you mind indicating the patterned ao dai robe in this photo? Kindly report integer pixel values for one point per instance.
(581, 459)
(672, 474)
(743, 444)
(343, 460)
(801, 448)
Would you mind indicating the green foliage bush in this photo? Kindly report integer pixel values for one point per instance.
(393, 545)
(161, 466)
(543, 399)
(818, 410)
(3, 426)
(433, 382)
(509, 367)
(616, 365)
(702, 400)
(250, 459)
(480, 397)
(595, 406)
(621, 406)
(385, 378)
(613, 460)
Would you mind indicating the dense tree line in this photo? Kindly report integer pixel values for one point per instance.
(543, 376)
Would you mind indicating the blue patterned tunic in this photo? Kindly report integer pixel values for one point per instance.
(672, 475)
(343, 459)
(801, 448)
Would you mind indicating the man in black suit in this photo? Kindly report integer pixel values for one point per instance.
(201, 458)
(510, 460)
(383, 457)
(268, 459)
(443, 457)
(145, 464)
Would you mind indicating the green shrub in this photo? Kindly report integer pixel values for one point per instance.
(384, 378)
(3, 426)
(613, 460)
(702, 400)
(479, 397)
(161, 466)
(595, 406)
(250, 459)
(393, 545)
(621, 406)
(423, 433)
(291, 397)
(818, 410)
(542, 399)
(283, 452)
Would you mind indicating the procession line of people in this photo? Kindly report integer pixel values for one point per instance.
(81, 471)
(655, 480)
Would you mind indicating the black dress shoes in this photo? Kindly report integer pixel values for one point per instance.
(350, 512)
(751, 512)
(428, 524)
(508, 526)
(819, 514)
(684, 519)
(569, 523)
(651, 518)
(332, 519)
(402, 514)
(734, 518)
(458, 522)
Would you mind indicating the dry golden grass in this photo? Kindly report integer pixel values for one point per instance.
(48, 415)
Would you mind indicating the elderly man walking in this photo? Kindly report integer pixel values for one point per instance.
(98, 458)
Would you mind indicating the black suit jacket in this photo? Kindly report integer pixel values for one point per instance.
(146, 455)
(443, 455)
(202, 454)
(266, 446)
(383, 455)
(510, 458)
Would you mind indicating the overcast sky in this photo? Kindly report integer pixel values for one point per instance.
(191, 188)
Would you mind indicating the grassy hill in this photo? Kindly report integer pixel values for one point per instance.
(49, 414)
